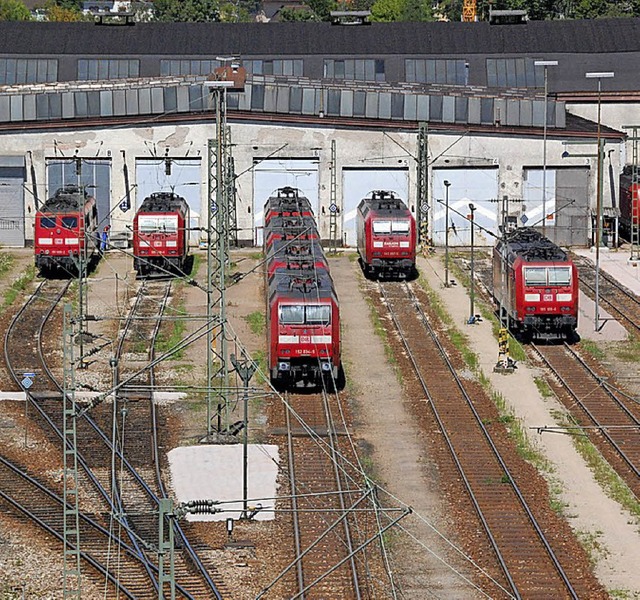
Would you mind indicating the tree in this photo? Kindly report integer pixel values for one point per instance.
(14, 10)
(387, 10)
(187, 11)
(290, 14)
(417, 10)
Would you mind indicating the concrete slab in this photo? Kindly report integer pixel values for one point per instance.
(617, 264)
(216, 473)
(609, 330)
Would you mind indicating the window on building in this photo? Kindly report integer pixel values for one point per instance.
(354, 69)
(103, 68)
(285, 66)
(514, 72)
(28, 70)
(443, 71)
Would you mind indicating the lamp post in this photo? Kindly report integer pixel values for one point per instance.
(545, 64)
(447, 185)
(599, 76)
(472, 318)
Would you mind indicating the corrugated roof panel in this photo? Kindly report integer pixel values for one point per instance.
(513, 113)
(16, 108)
(144, 101)
(182, 99)
(346, 103)
(474, 111)
(423, 108)
(106, 103)
(410, 107)
(157, 101)
(448, 109)
(68, 105)
(119, 103)
(5, 109)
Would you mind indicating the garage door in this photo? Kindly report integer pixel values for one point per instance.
(93, 173)
(566, 204)
(468, 186)
(271, 174)
(359, 182)
(180, 176)
(12, 177)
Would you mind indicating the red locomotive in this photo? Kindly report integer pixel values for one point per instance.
(161, 235)
(630, 204)
(287, 202)
(386, 236)
(303, 317)
(66, 231)
(535, 285)
(296, 254)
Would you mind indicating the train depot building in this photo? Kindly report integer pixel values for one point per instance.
(442, 114)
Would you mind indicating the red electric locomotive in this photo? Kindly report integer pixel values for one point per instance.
(296, 254)
(289, 229)
(386, 236)
(161, 235)
(535, 285)
(630, 204)
(303, 318)
(66, 231)
(287, 202)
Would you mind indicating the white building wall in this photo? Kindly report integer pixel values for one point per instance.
(125, 144)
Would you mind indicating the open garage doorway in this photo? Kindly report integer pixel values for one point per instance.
(478, 186)
(181, 176)
(12, 217)
(272, 174)
(359, 182)
(94, 174)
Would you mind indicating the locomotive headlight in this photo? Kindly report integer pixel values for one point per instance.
(532, 297)
(563, 297)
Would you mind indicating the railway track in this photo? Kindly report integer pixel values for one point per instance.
(332, 516)
(623, 304)
(609, 417)
(528, 561)
(97, 459)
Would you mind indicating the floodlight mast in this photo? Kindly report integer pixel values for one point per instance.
(545, 64)
(599, 75)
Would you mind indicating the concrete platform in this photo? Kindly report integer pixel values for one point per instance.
(216, 473)
(615, 263)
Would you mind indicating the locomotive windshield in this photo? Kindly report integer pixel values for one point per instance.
(158, 223)
(305, 314)
(48, 222)
(543, 276)
(391, 227)
(69, 222)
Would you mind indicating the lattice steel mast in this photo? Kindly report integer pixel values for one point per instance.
(71, 534)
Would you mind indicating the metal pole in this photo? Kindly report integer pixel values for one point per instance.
(545, 64)
(472, 318)
(447, 185)
(245, 368)
(599, 76)
(598, 219)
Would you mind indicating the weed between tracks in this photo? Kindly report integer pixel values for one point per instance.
(257, 322)
(20, 284)
(612, 485)
(515, 429)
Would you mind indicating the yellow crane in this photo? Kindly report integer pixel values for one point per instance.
(469, 11)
